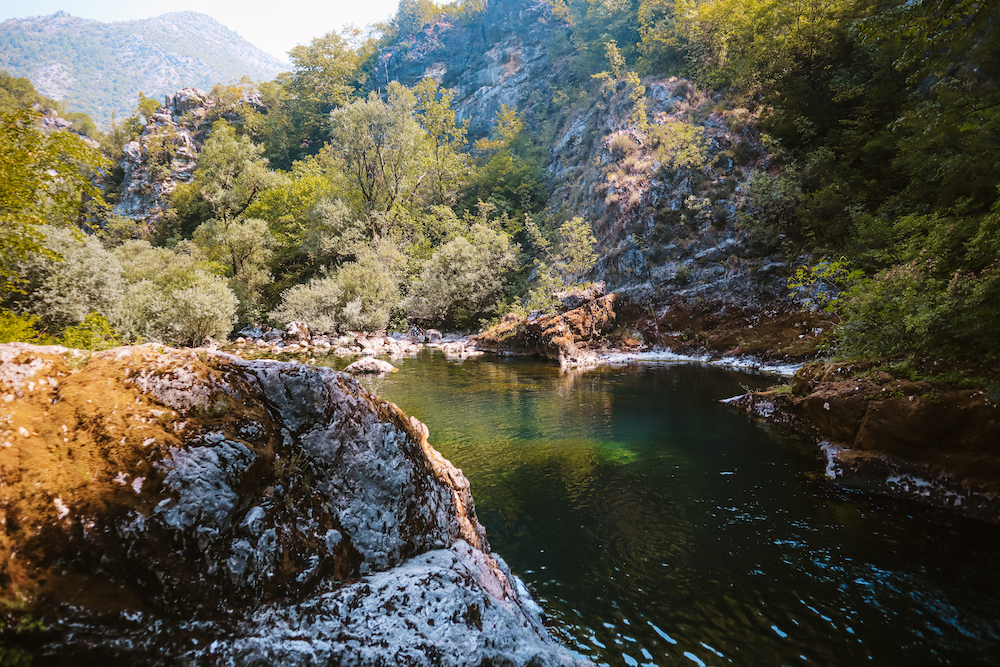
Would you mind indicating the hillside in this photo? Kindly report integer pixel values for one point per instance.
(99, 68)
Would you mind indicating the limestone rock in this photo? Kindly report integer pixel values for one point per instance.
(880, 431)
(370, 365)
(296, 332)
(556, 337)
(155, 497)
(573, 299)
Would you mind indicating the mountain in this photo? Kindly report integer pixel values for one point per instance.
(99, 68)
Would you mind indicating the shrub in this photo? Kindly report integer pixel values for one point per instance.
(62, 292)
(21, 328)
(94, 333)
(171, 296)
(463, 280)
(358, 296)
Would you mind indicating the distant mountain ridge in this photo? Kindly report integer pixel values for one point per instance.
(99, 68)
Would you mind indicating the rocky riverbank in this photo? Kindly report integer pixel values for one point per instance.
(887, 434)
(190, 507)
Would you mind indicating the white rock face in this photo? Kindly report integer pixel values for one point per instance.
(283, 511)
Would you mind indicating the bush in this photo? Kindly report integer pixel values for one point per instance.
(171, 296)
(359, 296)
(318, 303)
(63, 292)
(94, 333)
(463, 280)
(20, 328)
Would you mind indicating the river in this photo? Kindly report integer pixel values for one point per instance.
(659, 527)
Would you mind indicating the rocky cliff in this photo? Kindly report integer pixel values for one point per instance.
(165, 154)
(188, 507)
(499, 57)
(671, 234)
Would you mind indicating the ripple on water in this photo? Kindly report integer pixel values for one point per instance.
(659, 527)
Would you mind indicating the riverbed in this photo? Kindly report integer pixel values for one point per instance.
(657, 526)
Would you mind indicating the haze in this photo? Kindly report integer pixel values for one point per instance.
(275, 28)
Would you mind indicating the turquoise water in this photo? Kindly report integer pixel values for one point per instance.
(658, 527)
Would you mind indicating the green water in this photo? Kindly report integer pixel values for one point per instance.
(658, 527)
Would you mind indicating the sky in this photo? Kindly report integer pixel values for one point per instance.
(274, 27)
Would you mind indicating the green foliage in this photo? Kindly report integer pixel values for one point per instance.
(560, 268)
(94, 333)
(69, 278)
(463, 281)
(171, 295)
(16, 327)
(378, 145)
(243, 247)
(678, 144)
(359, 296)
(511, 177)
(42, 180)
(232, 172)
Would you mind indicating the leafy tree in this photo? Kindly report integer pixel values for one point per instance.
(43, 178)
(378, 144)
(243, 247)
(358, 296)
(448, 166)
(511, 177)
(464, 279)
(326, 74)
(563, 266)
(231, 173)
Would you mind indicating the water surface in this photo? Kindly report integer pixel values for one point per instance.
(658, 527)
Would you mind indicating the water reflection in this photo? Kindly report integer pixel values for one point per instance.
(660, 528)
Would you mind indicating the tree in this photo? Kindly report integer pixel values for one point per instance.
(359, 296)
(43, 180)
(464, 279)
(231, 173)
(448, 167)
(378, 145)
(243, 247)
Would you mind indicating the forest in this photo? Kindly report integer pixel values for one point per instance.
(323, 197)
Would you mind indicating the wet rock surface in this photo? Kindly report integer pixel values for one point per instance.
(923, 440)
(189, 507)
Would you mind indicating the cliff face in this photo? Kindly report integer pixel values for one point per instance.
(193, 507)
(500, 57)
(669, 234)
(165, 154)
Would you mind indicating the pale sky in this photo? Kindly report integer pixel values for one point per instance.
(274, 26)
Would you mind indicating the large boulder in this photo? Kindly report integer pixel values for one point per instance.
(564, 338)
(188, 507)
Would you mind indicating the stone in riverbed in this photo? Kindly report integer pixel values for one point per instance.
(370, 365)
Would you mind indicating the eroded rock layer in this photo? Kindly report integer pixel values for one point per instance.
(922, 440)
(197, 508)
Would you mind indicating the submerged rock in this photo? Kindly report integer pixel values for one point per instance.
(188, 507)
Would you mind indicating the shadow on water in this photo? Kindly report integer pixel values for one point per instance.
(659, 527)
